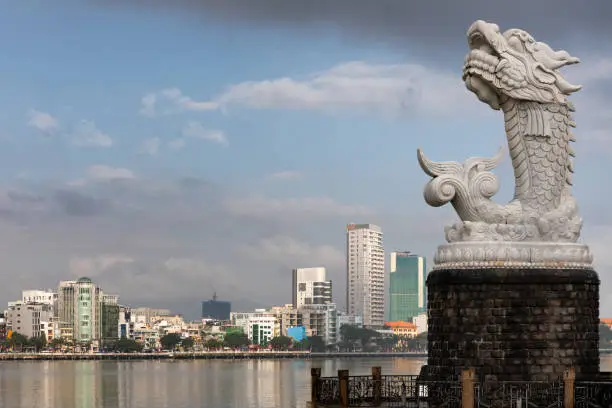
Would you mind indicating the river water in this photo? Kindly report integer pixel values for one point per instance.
(179, 384)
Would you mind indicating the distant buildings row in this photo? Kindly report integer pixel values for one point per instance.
(313, 312)
(366, 296)
(80, 312)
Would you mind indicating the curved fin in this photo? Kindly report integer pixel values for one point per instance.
(491, 163)
(435, 169)
(485, 163)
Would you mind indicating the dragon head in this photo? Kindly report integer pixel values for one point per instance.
(514, 65)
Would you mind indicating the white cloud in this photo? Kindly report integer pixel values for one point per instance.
(287, 251)
(196, 130)
(147, 105)
(285, 175)
(591, 69)
(318, 206)
(389, 89)
(395, 89)
(85, 133)
(177, 144)
(193, 268)
(174, 102)
(94, 266)
(151, 146)
(42, 121)
(158, 279)
(106, 173)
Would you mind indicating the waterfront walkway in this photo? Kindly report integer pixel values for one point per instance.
(204, 355)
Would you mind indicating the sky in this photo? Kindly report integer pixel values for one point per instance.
(172, 149)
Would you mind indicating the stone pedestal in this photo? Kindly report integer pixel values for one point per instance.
(513, 324)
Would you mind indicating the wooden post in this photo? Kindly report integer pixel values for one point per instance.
(467, 388)
(377, 391)
(315, 375)
(568, 379)
(343, 379)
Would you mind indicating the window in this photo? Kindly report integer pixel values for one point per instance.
(302, 287)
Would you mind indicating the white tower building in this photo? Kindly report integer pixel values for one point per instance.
(365, 273)
(310, 287)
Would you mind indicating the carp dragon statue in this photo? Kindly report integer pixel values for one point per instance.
(540, 227)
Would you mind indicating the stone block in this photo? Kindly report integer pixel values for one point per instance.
(533, 326)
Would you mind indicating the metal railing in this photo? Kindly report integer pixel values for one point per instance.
(593, 394)
(385, 390)
(513, 394)
(465, 392)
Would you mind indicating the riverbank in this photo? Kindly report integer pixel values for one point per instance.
(211, 355)
(208, 355)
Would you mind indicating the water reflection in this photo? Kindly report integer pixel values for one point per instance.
(179, 384)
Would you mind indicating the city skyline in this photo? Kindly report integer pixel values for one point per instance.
(309, 285)
(220, 152)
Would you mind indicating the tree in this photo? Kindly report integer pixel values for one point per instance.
(605, 336)
(235, 340)
(38, 342)
(125, 345)
(170, 341)
(280, 342)
(18, 341)
(56, 343)
(352, 335)
(317, 344)
(213, 344)
(187, 343)
(302, 345)
(388, 343)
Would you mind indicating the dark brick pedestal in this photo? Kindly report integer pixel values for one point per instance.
(513, 324)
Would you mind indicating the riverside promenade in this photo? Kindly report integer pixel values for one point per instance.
(203, 355)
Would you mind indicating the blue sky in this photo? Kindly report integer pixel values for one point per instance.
(150, 148)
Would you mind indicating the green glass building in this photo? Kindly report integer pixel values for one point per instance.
(407, 290)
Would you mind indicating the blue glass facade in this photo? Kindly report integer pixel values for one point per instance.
(216, 309)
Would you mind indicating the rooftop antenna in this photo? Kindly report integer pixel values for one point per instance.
(214, 298)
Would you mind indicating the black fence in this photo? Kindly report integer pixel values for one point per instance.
(465, 392)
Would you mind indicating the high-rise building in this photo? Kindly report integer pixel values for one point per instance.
(85, 314)
(321, 320)
(407, 296)
(29, 319)
(109, 318)
(310, 287)
(365, 274)
(216, 309)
